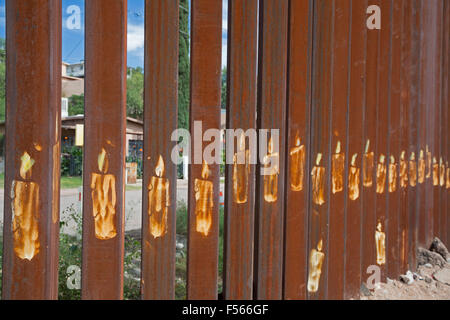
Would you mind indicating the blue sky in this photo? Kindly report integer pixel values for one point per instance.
(73, 40)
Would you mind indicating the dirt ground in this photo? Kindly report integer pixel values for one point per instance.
(424, 287)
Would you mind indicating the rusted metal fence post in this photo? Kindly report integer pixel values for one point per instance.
(381, 179)
(271, 116)
(339, 159)
(104, 152)
(160, 172)
(320, 147)
(203, 193)
(297, 148)
(392, 225)
(32, 168)
(240, 176)
(355, 149)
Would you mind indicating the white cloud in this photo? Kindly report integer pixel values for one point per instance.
(136, 37)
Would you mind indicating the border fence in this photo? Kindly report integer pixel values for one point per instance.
(363, 118)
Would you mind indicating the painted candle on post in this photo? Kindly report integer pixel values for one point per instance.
(403, 171)
(412, 170)
(316, 259)
(353, 179)
(271, 170)
(103, 192)
(241, 171)
(429, 163)
(435, 172)
(318, 182)
(25, 206)
(421, 168)
(158, 201)
(381, 174)
(368, 165)
(380, 240)
(297, 156)
(442, 172)
(203, 201)
(338, 168)
(392, 175)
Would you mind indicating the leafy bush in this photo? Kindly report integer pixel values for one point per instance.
(72, 161)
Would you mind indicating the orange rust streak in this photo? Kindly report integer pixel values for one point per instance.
(338, 168)
(25, 205)
(297, 155)
(103, 194)
(318, 185)
(368, 165)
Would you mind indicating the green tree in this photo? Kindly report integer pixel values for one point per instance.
(135, 93)
(76, 104)
(183, 67)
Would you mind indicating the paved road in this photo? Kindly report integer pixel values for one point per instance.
(133, 206)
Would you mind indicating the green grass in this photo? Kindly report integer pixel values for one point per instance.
(71, 182)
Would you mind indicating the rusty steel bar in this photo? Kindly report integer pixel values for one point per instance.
(429, 96)
(404, 122)
(370, 156)
(337, 148)
(202, 266)
(104, 150)
(32, 166)
(240, 175)
(321, 106)
(271, 116)
(160, 172)
(297, 153)
(355, 148)
(445, 120)
(378, 235)
(393, 192)
(413, 131)
(442, 55)
(423, 184)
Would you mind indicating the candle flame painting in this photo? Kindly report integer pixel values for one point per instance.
(241, 172)
(158, 201)
(338, 168)
(25, 210)
(353, 179)
(103, 194)
(380, 239)
(297, 158)
(271, 161)
(318, 182)
(204, 202)
(381, 175)
(368, 165)
(316, 258)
